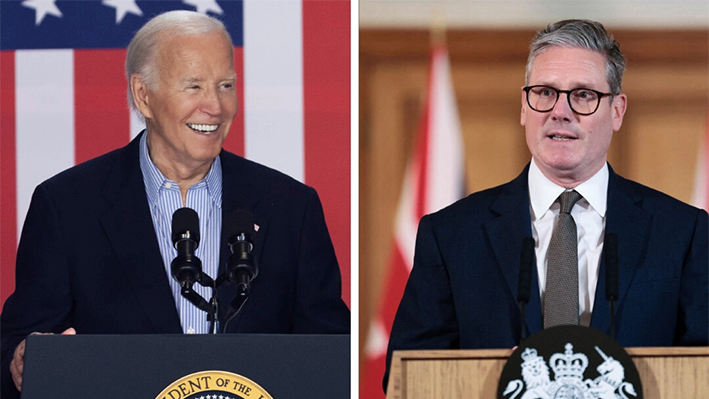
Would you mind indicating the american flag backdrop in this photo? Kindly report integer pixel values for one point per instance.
(63, 96)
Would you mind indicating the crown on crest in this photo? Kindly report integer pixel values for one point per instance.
(569, 365)
(529, 355)
(532, 361)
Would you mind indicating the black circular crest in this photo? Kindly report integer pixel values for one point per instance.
(569, 362)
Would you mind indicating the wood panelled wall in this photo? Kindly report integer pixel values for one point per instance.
(667, 83)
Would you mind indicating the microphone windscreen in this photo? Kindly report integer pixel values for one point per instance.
(610, 246)
(183, 220)
(239, 222)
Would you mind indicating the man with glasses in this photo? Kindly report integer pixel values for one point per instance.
(462, 291)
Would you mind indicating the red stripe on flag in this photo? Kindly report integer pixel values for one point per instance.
(8, 193)
(374, 366)
(326, 101)
(101, 114)
(235, 140)
(370, 386)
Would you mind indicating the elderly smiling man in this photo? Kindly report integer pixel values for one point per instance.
(95, 251)
(463, 287)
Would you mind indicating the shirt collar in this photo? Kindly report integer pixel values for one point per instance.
(213, 180)
(154, 179)
(543, 193)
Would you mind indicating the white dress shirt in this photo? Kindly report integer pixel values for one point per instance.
(589, 213)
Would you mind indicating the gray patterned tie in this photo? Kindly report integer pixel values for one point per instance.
(561, 296)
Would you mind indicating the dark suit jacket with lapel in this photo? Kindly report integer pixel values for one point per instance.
(88, 256)
(463, 287)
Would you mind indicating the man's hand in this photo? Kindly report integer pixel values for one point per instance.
(17, 364)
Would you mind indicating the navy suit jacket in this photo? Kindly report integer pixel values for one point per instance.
(463, 287)
(89, 258)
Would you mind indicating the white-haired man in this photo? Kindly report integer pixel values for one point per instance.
(96, 248)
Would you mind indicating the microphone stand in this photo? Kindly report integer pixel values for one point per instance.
(611, 257)
(525, 281)
(213, 315)
(197, 300)
(236, 304)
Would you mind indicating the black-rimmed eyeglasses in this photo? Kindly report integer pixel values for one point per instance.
(582, 101)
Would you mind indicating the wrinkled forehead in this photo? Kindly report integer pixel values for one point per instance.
(172, 40)
(178, 49)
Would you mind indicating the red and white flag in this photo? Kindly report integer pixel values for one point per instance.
(434, 179)
(63, 97)
(700, 195)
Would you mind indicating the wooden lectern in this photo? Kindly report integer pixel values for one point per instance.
(666, 373)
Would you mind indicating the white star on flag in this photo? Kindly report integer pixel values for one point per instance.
(123, 7)
(205, 6)
(42, 8)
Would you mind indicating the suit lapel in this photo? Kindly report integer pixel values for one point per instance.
(626, 219)
(128, 226)
(506, 233)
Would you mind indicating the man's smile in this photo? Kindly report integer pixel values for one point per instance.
(202, 128)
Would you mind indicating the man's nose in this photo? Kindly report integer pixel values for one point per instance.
(562, 110)
(211, 103)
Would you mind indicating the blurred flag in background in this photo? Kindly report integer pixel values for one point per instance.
(434, 179)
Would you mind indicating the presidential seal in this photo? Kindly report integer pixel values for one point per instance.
(214, 385)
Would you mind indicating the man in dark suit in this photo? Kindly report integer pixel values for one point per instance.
(462, 291)
(95, 251)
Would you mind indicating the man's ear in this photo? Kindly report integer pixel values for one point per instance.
(140, 95)
(619, 106)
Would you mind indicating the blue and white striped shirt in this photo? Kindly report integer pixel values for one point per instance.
(164, 199)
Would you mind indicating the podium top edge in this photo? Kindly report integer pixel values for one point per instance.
(505, 353)
(454, 354)
(95, 336)
(668, 351)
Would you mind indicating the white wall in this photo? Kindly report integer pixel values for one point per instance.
(532, 13)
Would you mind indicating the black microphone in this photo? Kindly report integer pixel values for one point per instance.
(241, 266)
(610, 247)
(524, 287)
(186, 267)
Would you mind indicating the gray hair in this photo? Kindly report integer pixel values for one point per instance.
(141, 57)
(584, 34)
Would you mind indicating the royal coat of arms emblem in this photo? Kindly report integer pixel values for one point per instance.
(568, 382)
